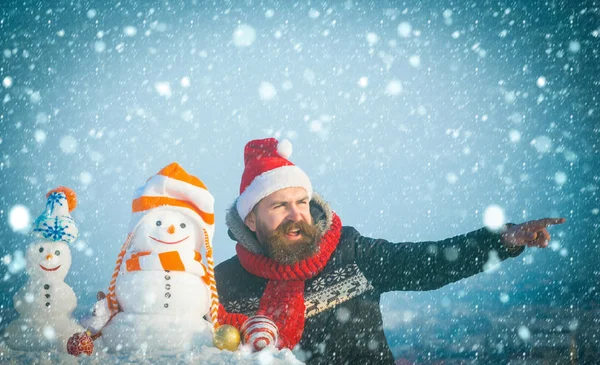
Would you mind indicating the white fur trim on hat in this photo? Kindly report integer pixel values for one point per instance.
(269, 182)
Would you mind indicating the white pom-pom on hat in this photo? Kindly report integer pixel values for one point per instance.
(284, 148)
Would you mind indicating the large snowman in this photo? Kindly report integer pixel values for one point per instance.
(162, 293)
(45, 302)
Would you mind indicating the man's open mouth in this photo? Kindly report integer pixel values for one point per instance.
(294, 233)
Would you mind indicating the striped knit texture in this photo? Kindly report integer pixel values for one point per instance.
(212, 283)
(167, 261)
(234, 319)
(111, 297)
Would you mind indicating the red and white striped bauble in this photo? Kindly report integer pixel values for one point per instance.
(259, 332)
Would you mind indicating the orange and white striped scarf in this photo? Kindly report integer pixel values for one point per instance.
(187, 261)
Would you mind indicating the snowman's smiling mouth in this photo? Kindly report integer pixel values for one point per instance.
(169, 243)
(46, 269)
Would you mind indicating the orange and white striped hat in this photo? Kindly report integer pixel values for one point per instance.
(173, 186)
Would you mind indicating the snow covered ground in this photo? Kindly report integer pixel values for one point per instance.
(208, 356)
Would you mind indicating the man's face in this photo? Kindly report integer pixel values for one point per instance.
(283, 225)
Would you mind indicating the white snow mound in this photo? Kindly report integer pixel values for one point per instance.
(207, 356)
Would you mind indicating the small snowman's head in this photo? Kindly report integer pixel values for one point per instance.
(101, 307)
(167, 229)
(48, 260)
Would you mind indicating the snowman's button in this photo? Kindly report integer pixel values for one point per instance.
(47, 304)
(166, 305)
(47, 295)
(168, 286)
(46, 286)
(167, 295)
(168, 277)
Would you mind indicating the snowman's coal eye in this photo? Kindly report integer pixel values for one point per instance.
(182, 225)
(57, 253)
(158, 223)
(41, 249)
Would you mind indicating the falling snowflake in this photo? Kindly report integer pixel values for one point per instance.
(404, 29)
(244, 35)
(493, 217)
(267, 91)
(19, 218)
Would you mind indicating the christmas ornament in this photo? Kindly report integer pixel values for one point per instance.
(80, 343)
(226, 337)
(259, 332)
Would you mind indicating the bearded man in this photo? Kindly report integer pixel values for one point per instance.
(303, 281)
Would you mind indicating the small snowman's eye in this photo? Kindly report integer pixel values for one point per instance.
(41, 249)
(57, 253)
(158, 223)
(182, 225)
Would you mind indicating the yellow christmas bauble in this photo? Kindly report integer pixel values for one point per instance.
(226, 337)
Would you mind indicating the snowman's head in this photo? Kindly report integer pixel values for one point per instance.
(101, 307)
(167, 229)
(49, 260)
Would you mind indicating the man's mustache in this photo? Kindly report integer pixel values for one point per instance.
(304, 227)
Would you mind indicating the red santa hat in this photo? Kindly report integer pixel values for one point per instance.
(267, 169)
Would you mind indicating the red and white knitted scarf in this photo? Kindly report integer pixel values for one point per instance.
(283, 298)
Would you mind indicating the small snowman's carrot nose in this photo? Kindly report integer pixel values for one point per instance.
(49, 257)
(171, 229)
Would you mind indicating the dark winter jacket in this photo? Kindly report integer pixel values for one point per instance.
(343, 320)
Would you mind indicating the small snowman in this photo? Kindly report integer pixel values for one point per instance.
(46, 302)
(162, 297)
(100, 314)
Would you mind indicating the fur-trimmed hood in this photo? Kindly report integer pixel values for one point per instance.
(320, 211)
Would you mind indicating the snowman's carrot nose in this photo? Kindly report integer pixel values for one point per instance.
(171, 229)
(49, 257)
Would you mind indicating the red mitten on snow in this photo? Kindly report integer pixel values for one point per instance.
(80, 343)
(259, 332)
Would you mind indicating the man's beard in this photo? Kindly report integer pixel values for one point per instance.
(286, 251)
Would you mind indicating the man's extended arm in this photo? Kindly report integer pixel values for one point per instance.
(429, 265)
